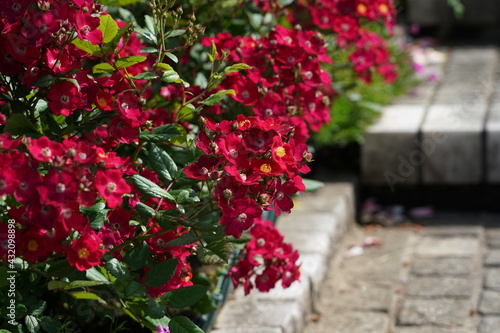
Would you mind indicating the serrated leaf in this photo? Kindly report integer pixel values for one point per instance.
(135, 289)
(129, 61)
(170, 76)
(103, 68)
(149, 188)
(87, 46)
(109, 28)
(44, 81)
(161, 133)
(145, 76)
(181, 324)
(137, 257)
(144, 210)
(50, 325)
(32, 324)
(148, 35)
(161, 273)
(86, 295)
(217, 97)
(38, 308)
(162, 163)
(175, 33)
(186, 196)
(155, 310)
(222, 248)
(19, 124)
(236, 68)
(184, 296)
(183, 239)
(94, 275)
(164, 67)
(54, 285)
(84, 283)
(117, 269)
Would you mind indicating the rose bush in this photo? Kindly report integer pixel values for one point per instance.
(136, 155)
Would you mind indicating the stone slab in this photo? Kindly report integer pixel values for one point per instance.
(489, 324)
(442, 267)
(489, 303)
(447, 247)
(352, 322)
(435, 287)
(439, 312)
(492, 280)
(492, 258)
(493, 238)
(250, 313)
(390, 141)
(456, 131)
(364, 297)
(492, 145)
(429, 329)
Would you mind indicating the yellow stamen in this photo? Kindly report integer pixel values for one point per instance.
(265, 168)
(280, 151)
(83, 253)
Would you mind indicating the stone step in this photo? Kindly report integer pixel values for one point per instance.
(451, 137)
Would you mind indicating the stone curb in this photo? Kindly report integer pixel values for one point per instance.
(318, 222)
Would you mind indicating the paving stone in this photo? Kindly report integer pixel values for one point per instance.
(428, 329)
(363, 296)
(390, 153)
(433, 287)
(454, 230)
(489, 324)
(489, 303)
(492, 144)
(249, 313)
(493, 238)
(456, 156)
(492, 258)
(442, 266)
(447, 247)
(440, 312)
(492, 280)
(249, 330)
(352, 322)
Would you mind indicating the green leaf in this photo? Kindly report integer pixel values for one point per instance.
(205, 305)
(84, 283)
(111, 46)
(87, 46)
(149, 188)
(61, 269)
(312, 185)
(86, 295)
(236, 68)
(170, 76)
(172, 57)
(183, 239)
(162, 163)
(94, 275)
(97, 214)
(175, 33)
(215, 251)
(145, 76)
(55, 284)
(19, 124)
(135, 289)
(181, 324)
(38, 308)
(129, 61)
(215, 98)
(161, 273)
(155, 310)
(32, 324)
(187, 196)
(103, 68)
(50, 325)
(184, 296)
(161, 133)
(150, 24)
(117, 269)
(137, 257)
(44, 81)
(108, 27)
(144, 210)
(149, 49)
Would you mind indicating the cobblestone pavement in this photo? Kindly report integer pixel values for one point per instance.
(440, 278)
